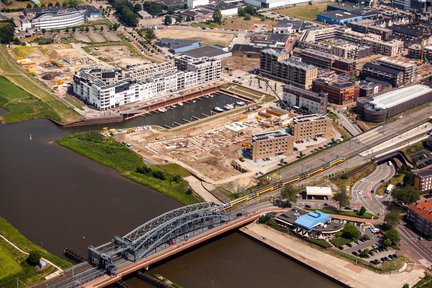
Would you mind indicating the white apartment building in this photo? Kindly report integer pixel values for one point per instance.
(106, 89)
(195, 3)
(59, 20)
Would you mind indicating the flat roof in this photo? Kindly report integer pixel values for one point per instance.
(268, 135)
(396, 97)
(318, 191)
(204, 51)
(312, 219)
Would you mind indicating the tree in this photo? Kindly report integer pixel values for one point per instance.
(241, 12)
(152, 8)
(391, 237)
(342, 198)
(29, 6)
(217, 16)
(188, 19)
(350, 232)
(73, 29)
(101, 28)
(137, 8)
(33, 258)
(171, 11)
(35, 6)
(57, 4)
(43, 30)
(362, 210)
(392, 218)
(250, 10)
(150, 35)
(407, 195)
(125, 12)
(289, 193)
(167, 20)
(406, 285)
(179, 18)
(344, 176)
(50, 4)
(67, 30)
(87, 29)
(43, 5)
(408, 178)
(6, 34)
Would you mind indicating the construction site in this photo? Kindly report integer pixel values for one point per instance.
(215, 151)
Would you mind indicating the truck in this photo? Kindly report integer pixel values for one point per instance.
(389, 189)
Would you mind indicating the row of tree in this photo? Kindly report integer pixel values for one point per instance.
(6, 34)
(66, 3)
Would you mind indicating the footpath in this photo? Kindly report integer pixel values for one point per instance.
(339, 269)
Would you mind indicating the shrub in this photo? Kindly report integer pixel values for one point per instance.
(33, 258)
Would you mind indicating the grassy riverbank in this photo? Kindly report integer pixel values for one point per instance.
(166, 178)
(12, 261)
(21, 105)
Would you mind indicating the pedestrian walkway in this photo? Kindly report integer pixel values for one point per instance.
(356, 219)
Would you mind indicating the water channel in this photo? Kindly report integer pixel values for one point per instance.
(59, 199)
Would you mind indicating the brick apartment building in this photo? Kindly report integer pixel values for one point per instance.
(272, 144)
(340, 91)
(311, 126)
(420, 215)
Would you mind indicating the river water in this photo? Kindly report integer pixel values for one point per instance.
(59, 199)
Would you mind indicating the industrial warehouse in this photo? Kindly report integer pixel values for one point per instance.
(378, 109)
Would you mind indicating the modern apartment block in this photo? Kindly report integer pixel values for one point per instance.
(270, 59)
(407, 68)
(423, 180)
(414, 52)
(341, 91)
(314, 103)
(311, 126)
(420, 215)
(367, 26)
(107, 89)
(382, 73)
(316, 58)
(288, 71)
(348, 43)
(272, 144)
(206, 69)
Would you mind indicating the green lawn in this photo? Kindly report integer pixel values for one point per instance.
(109, 152)
(12, 261)
(366, 215)
(74, 103)
(339, 241)
(20, 104)
(304, 12)
(58, 110)
(176, 169)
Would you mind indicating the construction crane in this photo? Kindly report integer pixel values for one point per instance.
(422, 56)
(260, 78)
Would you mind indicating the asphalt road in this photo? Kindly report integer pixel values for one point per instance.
(359, 143)
(421, 250)
(361, 191)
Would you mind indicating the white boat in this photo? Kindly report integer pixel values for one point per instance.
(211, 95)
(218, 109)
(162, 110)
(180, 104)
(228, 107)
(174, 106)
(240, 103)
(194, 101)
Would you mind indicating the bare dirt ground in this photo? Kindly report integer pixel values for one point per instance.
(207, 37)
(110, 36)
(81, 37)
(238, 23)
(241, 63)
(96, 36)
(119, 55)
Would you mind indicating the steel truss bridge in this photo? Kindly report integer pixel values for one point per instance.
(157, 235)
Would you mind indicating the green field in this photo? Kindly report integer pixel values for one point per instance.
(304, 12)
(57, 110)
(20, 104)
(109, 152)
(12, 261)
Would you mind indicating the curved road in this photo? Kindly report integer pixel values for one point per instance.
(361, 191)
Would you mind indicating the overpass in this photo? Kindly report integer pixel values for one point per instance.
(155, 240)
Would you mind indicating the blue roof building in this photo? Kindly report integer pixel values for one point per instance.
(312, 219)
(338, 17)
(178, 45)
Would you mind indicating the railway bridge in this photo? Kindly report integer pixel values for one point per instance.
(155, 240)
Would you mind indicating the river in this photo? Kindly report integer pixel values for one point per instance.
(59, 199)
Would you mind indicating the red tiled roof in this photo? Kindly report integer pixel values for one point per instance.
(424, 209)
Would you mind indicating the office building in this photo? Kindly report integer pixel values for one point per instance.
(420, 216)
(57, 18)
(341, 91)
(423, 180)
(312, 102)
(390, 104)
(312, 126)
(272, 144)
